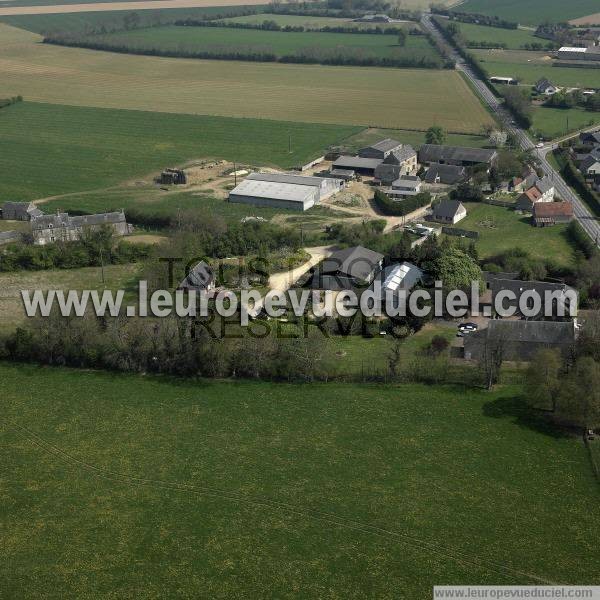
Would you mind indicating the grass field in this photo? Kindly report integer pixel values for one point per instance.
(89, 278)
(94, 148)
(513, 38)
(532, 12)
(252, 41)
(74, 22)
(503, 229)
(335, 491)
(529, 67)
(311, 22)
(555, 122)
(415, 138)
(393, 98)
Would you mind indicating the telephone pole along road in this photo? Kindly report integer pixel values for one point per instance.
(588, 221)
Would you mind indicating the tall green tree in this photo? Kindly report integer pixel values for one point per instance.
(435, 135)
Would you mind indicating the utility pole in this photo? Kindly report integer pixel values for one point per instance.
(290, 143)
(235, 173)
(102, 265)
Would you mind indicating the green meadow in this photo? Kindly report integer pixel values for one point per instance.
(123, 485)
(532, 12)
(63, 149)
(253, 41)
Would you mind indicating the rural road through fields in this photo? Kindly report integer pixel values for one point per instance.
(589, 223)
(106, 6)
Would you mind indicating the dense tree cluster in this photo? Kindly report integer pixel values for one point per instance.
(95, 248)
(400, 207)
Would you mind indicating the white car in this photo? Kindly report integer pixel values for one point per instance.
(540, 145)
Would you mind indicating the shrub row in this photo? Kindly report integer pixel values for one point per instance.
(487, 20)
(403, 207)
(574, 177)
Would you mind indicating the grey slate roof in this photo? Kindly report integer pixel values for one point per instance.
(544, 184)
(543, 84)
(447, 208)
(448, 174)
(432, 153)
(590, 161)
(400, 155)
(200, 277)
(287, 178)
(356, 262)
(99, 219)
(21, 209)
(385, 145)
(356, 162)
(538, 332)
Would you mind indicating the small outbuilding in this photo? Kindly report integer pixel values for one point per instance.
(546, 214)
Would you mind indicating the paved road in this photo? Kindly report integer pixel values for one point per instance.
(589, 223)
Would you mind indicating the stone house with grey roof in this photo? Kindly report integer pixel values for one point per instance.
(60, 227)
(399, 162)
(20, 211)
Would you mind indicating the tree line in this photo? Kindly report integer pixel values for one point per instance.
(402, 207)
(314, 55)
(476, 19)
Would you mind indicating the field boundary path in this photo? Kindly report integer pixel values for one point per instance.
(587, 221)
(111, 6)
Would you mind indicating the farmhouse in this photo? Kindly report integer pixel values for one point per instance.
(591, 53)
(445, 174)
(347, 269)
(401, 161)
(545, 87)
(590, 166)
(455, 155)
(201, 277)
(284, 190)
(520, 340)
(557, 297)
(379, 18)
(541, 191)
(20, 211)
(60, 227)
(449, 212)
(551, 213)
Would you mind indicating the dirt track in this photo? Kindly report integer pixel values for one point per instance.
(589, 20)
(107, 6)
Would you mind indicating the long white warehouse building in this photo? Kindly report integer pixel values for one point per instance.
(284, 190)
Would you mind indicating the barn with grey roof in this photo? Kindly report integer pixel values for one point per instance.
(284, 190)
(456, 155)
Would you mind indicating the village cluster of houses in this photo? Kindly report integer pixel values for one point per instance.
(59, 227)
(589, 161)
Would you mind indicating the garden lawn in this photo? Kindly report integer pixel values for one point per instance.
(124, 485)
(502, 229)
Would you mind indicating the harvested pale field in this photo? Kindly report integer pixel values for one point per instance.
(589, 20)
(391, 98)
(104, 6)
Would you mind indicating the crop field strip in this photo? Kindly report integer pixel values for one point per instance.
(390, 98)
